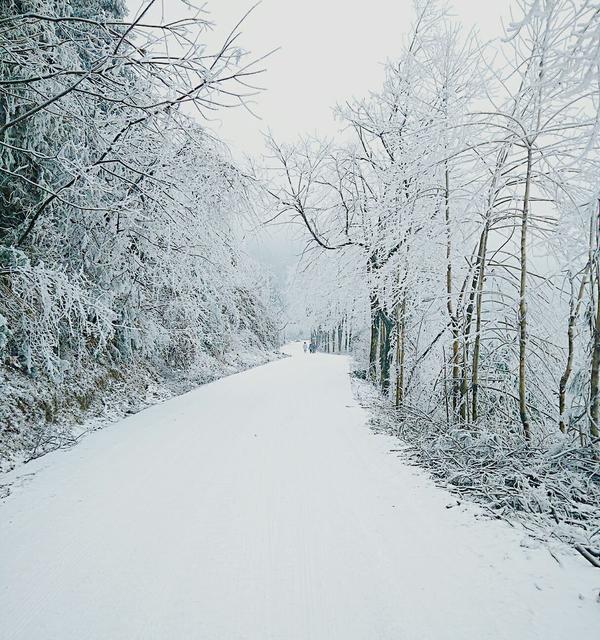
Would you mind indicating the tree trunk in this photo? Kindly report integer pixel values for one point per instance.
(457, 405)
(375, 321)
(595, 368)
(400, 314)
(523, 302)
(481, 255)
(575, 305)
(386, 326)
(595, 365)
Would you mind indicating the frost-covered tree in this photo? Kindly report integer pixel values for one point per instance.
(467, 199)
(120, 213)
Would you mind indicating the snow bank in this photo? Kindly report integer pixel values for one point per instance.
(552, 490)
(38, 416)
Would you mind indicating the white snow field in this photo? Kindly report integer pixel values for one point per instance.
(262, 507)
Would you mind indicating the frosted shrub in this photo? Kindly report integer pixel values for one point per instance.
(52, 320)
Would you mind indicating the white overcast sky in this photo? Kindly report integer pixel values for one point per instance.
(330, 50)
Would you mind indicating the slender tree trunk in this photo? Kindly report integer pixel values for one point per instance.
(400, 315)
(523, 302)
(480, 279)
(464, 382)
(386, 325)
(374, 307)
(481, 265)
(595, 364)
(456, 378)
(595, 368)
(564, 379)
(375, 321)
(447, 404)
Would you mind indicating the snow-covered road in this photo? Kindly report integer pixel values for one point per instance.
(261, 507)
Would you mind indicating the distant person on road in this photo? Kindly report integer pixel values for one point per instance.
(305, 347)
(313, 347)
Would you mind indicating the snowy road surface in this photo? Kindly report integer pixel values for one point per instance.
(261, 507)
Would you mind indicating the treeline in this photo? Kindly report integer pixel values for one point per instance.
(120, 213)
(459, 228)
(336, 340)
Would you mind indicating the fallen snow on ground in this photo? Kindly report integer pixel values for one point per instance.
(262, 507)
